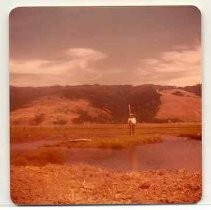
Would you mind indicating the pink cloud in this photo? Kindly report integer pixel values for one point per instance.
(176, 67)
(78, 62)
(179, 67)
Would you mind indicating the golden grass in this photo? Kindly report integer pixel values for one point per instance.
(104, 135)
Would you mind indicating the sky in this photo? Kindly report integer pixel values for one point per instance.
(105, 45)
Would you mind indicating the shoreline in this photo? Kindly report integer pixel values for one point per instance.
(84, 184)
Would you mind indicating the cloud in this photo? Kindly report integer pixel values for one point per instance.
(84, 53)
(177, 67)
(180, 67)
(75, 67)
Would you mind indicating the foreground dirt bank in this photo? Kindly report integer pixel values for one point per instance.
(63, 184)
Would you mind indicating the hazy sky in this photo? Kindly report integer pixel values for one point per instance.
(105, 45)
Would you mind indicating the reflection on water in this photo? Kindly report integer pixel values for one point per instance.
(172, 153)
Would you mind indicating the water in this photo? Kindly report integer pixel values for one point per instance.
(172, 153)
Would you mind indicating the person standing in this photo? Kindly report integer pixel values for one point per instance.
(132, 123)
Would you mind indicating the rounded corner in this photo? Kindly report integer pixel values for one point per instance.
(198, 200)
(196, 8)
(13, 201)
(13, 10)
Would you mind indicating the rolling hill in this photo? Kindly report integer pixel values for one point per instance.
(63, 105)
(179, 105)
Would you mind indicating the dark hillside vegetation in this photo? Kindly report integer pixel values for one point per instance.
(197, 89)
(144, 99)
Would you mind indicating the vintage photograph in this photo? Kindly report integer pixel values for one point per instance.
(105, 105)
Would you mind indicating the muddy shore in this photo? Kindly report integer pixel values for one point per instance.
(83, 184)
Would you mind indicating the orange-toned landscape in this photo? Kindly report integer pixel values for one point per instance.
(93, 163)
(180, 104)
(105, 105)
(81, 184)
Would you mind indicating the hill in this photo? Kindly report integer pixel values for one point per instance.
(102, 104)
(57, 111)
(179, 105)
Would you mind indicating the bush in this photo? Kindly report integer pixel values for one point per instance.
(38, 119)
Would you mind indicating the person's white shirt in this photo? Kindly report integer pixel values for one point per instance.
(132, 120)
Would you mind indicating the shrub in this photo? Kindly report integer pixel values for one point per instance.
(38, 119)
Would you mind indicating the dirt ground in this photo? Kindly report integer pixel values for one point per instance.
(81, 184)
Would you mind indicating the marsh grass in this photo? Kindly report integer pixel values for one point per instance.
(195, 136)
(114, 136)
(38, 157)
(104, 137)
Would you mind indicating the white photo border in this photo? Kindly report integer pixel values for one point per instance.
(7, 5)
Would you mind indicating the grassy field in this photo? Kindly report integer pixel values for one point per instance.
(104, 136)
